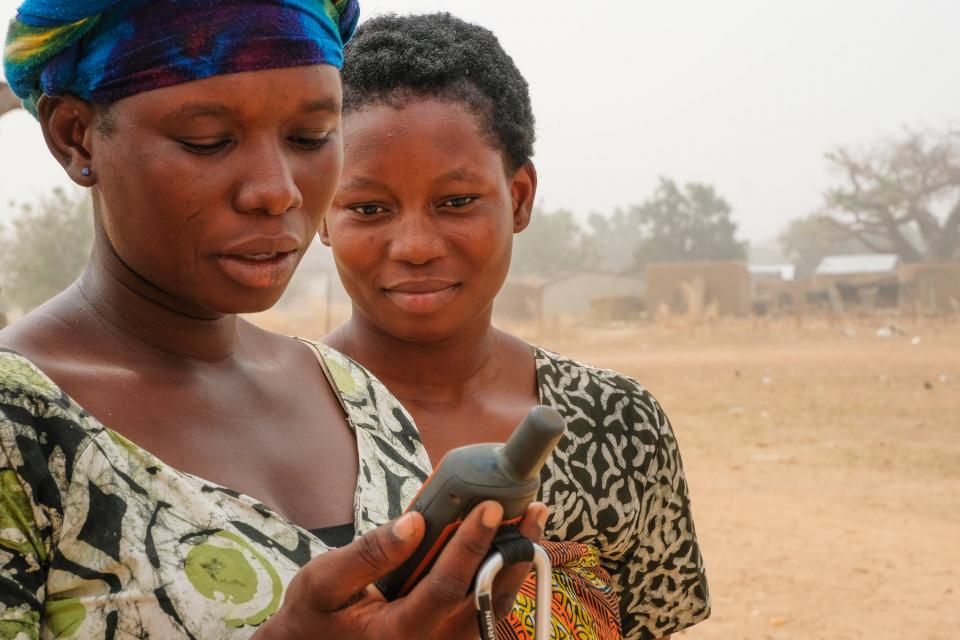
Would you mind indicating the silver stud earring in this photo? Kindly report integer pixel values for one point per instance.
(85, 172)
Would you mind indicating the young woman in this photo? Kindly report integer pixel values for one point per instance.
(161, 460)
(439, 135)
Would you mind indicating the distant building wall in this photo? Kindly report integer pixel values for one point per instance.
(933, 287)
(826, 281)
(724, 284)
(581, 294)
(519, 300)
(773, 295)
(867, 281)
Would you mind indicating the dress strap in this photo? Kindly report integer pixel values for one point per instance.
(326, 372)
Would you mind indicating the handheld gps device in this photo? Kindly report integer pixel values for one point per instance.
(507, 473)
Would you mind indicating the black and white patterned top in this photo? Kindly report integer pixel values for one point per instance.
(616, 482)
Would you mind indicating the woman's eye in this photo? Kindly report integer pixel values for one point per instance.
(309, 143)
(458, 202)
(204, 148)
(367, 209)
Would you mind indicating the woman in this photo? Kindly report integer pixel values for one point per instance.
(138, 413)
(439, 135)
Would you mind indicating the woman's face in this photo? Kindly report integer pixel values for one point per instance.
(212, 190)
(422, 225)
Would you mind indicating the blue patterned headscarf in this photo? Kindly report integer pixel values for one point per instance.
(104, 50)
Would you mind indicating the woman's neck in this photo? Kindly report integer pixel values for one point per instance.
(149, 320)
(448, 368)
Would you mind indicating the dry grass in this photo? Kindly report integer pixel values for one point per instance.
(824, 465)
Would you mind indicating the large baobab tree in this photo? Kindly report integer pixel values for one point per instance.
(901, 196)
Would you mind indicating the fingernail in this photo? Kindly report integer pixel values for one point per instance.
(403, 528)
(491, 514)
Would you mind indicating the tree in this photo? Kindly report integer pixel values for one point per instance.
(552, 243)
(610, 241)
(692, 223)
(48, 249)
(8, 101)
(806, 241)
(902, 187)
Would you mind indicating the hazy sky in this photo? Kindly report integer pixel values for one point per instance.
(744, 94)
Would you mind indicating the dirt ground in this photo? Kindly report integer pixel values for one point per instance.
(823, 462)
(824, 466)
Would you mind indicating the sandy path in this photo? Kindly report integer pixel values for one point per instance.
(824, 466)
(824, 469)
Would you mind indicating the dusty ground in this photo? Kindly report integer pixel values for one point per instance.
(824, 465)
(824, 469)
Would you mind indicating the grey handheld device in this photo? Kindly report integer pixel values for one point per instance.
(508, 473)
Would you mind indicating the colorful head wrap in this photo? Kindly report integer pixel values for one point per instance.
(104, 50)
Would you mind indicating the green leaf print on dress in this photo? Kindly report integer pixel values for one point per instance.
(64, 617)
(17, 529)
(342, 377)
(222, 571)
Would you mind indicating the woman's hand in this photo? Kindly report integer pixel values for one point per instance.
(333, 596)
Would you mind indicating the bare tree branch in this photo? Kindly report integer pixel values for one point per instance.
(845, 232)
(897, 189)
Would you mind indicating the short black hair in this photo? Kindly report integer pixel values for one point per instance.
(393, 59)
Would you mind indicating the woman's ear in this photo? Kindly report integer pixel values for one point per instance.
(66, 122)
(323, 232)
(523, 191)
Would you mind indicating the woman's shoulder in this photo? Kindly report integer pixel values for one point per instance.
(43, 434)
(31, 402)
(353, 382)
(393, 457)
(19, 376)
(602, 395)
(349, 378)
(364, 396)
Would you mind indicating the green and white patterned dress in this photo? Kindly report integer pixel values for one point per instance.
(100, 539)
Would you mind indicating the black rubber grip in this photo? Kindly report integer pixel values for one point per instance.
(512, 545)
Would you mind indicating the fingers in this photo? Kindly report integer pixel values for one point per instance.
(337, 577)
(534, 521)
(451, 577)
(507, 584)
(320, 596)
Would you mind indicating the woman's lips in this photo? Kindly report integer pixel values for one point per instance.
(259, 271)
(421, 299)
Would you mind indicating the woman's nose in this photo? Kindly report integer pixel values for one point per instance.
(268, 184)
(416, 239)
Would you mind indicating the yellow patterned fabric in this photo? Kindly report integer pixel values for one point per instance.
(584, 605)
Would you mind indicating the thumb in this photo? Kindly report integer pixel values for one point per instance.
(335, 578)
